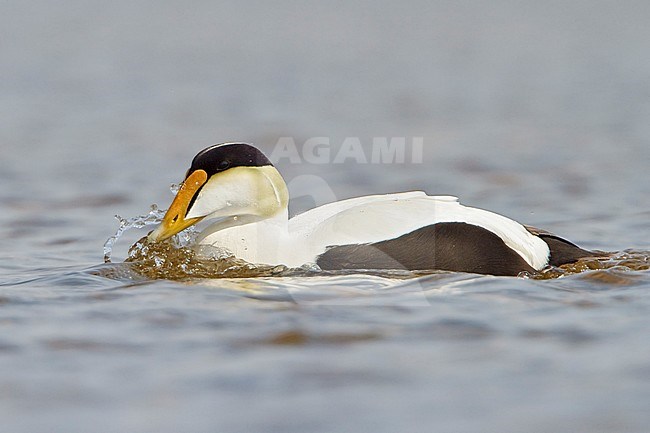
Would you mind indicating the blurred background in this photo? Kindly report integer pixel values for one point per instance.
(536, 110)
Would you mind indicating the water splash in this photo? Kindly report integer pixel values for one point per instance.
(154, 216)
(168, 260)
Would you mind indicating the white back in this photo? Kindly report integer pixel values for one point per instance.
(377, 218)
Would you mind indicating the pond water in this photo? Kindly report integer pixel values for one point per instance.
(538, 111)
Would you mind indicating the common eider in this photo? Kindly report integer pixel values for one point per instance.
(235, 186)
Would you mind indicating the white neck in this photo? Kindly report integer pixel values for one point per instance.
(249, 237)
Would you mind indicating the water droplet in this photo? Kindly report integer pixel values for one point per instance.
(154, 216)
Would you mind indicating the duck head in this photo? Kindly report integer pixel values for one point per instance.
(225, 181)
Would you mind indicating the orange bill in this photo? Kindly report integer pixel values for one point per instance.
(174, 220)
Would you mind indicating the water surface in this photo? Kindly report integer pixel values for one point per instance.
(538, 111)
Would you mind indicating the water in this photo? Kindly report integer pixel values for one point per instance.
(539, 111)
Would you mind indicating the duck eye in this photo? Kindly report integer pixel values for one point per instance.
(223, 165)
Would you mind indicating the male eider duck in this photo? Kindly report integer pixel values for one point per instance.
(236, 186)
